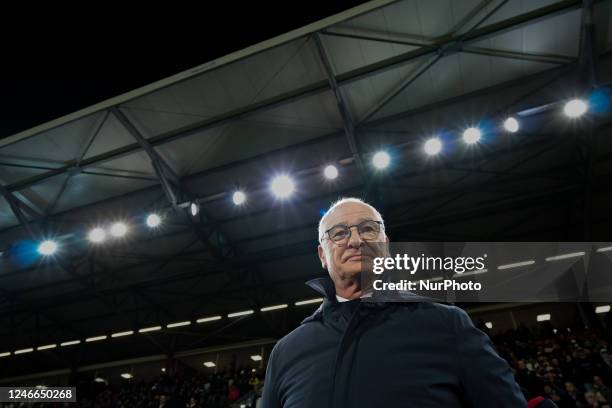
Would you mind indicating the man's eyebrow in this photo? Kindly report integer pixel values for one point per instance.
(344, 224)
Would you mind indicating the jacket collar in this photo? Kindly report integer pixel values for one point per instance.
(323, 286)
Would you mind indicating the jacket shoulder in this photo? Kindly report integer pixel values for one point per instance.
(447, 315)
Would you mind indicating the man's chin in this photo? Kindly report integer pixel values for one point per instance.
(352, 271)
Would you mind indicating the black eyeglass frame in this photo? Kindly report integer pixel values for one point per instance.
(350, 230)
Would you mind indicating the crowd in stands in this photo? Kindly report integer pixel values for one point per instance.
(569, 366)
(183, 391)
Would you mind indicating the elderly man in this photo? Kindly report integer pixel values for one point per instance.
(352, 353)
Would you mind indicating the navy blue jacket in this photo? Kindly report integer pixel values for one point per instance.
(368, 354)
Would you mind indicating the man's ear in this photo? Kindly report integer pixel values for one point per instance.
(322, 256)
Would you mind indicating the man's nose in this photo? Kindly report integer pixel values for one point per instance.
(355, 240)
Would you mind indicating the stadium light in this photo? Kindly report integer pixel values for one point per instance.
(381, 160)
(47, 248)
(511, 125)
(543, 317)
(282, 186)
(308, 301)
(256, 357)
(150, 329)
(433, 146)
(97, 235)
(153, 221)
(208, 319)
(97, 338)
(575, 108)
(242, 313)
(209, 364)
(275, 307)
(118, 229)
(330, 172)
(194, 208)
(516, 265)
(238, 197)
(564, 256)
(127, 376)
(471, 135)
(122, 334)
(602, 309)
(178, 324)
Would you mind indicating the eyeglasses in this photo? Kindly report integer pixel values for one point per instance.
(368, 230)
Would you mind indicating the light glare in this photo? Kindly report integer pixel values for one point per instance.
(330, 172)
(511, 125)
(97, 235)
(238, 198)
(153, 221)
(194, 208)
(282, 186)
(118, 229)
(433, 146)
(575, 108)
(471, 135)
(381, 160)
(47, 247)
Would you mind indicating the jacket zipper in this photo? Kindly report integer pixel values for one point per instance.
(344, 340)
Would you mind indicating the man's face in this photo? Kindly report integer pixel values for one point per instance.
(346, 259)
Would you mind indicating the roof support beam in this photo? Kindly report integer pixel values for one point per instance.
(16, 207)
(459, 41)
(318, 87)
(77, 169)
(170, 181)
(587, 47)
(167, 176)
(347, 118)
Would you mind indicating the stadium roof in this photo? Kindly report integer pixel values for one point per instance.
(383, 75)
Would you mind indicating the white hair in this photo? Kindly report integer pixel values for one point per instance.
(339, 203)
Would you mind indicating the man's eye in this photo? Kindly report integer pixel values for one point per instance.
(340, 233)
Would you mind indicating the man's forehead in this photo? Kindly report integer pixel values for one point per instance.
(349, 213)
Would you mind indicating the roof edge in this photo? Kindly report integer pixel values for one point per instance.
(227, 59)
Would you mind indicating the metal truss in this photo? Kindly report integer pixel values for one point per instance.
(442, 46)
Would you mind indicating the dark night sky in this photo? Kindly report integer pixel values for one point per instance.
(54, 66)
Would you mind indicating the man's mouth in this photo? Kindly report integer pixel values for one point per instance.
(357, 257)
